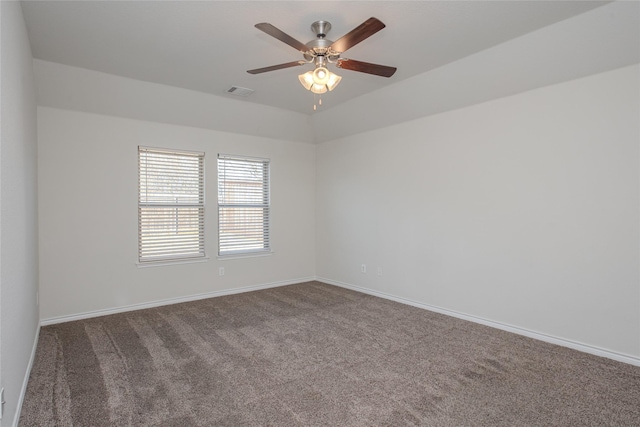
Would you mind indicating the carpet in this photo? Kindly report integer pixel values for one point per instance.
(312, 354)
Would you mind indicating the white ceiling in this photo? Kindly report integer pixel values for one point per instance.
(207, 46)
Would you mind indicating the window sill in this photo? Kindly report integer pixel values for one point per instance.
(244, 255)
(171, 262)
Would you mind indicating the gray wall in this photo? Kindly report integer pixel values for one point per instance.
(18, 208)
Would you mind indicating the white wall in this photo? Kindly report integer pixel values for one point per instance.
(73, 88)
(88, 213)
(522, 210)
(18, 209)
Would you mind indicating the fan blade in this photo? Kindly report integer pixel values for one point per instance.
(365, 67)
(283, 37)
(276, 67)
(355, 36)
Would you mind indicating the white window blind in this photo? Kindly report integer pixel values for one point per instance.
(243, 205)
(170, 205)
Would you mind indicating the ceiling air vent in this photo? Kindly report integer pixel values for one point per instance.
(240, 91)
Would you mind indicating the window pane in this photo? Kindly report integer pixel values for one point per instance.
(171, 205)
(243, 205)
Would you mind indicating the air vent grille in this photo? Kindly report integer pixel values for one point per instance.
(240, 91)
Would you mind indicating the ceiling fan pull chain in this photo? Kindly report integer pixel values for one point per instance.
(317, 104)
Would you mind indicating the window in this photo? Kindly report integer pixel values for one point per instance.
(243, 205)
(170, 205)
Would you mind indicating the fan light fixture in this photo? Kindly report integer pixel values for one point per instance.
(319, 80)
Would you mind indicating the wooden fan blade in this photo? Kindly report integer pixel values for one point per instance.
(355, 36)
(366, 67)
(276, 67)
(283, 37)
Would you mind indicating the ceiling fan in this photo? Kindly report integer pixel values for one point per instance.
(322, 51)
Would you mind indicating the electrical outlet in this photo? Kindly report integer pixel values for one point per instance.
(363, 268)
(221, 271)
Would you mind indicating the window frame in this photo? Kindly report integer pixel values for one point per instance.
(150, 254)
(224, 242)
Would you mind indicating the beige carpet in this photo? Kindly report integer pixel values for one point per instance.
(314, 354)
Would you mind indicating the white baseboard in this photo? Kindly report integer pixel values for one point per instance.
(25, 381)
(597, 351)
(169, 301)
(509, 328)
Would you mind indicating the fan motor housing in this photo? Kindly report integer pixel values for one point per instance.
(320, 45)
